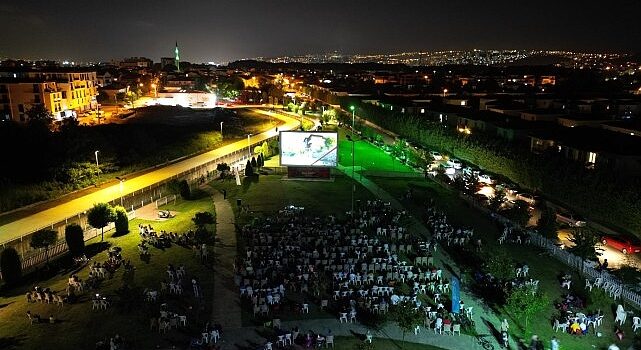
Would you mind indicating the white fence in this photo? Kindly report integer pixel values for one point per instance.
(587, 267)
(164, 200)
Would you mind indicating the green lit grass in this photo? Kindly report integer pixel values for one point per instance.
(368, 156)
(80, 327)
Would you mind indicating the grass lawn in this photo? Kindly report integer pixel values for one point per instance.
(267, 194)
(542, 267)
(79, 327)
(350, 343)
(368, 156)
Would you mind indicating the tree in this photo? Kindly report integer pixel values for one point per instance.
(10, 266)
(406, 317)
(75, 239)
(38, 114)
(585, 241)
(121, 221)
(203, 218)
(173, 186)
(497, 200)
(249, 171)
(100, 216)
(525, 302)
(499, 264)
(547, 224)
(43, 239)
(254, 163)
(519, 213)
(185, 191)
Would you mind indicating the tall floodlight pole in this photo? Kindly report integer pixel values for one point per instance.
(96, 154)
(353, 156)
(249, 152)
(221, 129)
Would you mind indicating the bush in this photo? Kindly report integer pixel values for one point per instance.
(202, 235)
(10, 266)
(203, 218)
(249, 171)
(185, 191)
(75, 240)
(122, 220)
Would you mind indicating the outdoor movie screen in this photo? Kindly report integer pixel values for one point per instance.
(307, 148)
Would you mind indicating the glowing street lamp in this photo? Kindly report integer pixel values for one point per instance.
(122, 180)
(249, 153)
(353, 156)
(96, 154)
(444, 92)
(221, 129)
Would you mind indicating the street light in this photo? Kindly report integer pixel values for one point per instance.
(122, 180)
(221, 129)
(444, 92)
(249, 154)
(96, 153)
(353, 156)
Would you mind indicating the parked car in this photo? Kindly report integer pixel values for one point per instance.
(570, 219)
(529, 198)
(455, 163)
(509, 189)
(624, 244)
(470, 171)
(485, 178)
(436, 155)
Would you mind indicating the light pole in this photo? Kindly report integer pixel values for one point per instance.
(353, 156)
(221, 130)
(444, 92)
(96, 154)
(122, 180)
(249, 154)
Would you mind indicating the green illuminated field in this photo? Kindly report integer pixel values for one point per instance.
(368, 156)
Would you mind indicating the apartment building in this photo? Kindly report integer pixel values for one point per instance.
(64, 93)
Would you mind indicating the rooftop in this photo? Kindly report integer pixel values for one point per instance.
(593, 140)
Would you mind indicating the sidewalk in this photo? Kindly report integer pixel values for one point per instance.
(226, 305)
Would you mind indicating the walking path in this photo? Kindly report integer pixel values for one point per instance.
(226, 306)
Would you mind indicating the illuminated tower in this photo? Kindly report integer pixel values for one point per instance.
(177, 58)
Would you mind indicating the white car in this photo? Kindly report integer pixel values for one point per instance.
(436, 155)
(570, 219)
(529, 198)
(485, 178)
(455, 163)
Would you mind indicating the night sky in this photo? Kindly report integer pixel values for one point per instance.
(211, 30)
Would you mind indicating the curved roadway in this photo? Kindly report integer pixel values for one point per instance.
(34, 222)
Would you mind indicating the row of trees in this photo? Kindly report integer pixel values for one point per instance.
(10, 263)
(598, 193)
(99, 216)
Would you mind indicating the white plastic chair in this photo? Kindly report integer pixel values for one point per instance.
(329, 340)
(456, 328)
(343, 316)
(636, 323)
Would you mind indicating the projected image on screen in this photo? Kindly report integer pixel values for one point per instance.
(309, 148)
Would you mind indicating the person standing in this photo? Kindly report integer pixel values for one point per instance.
(224, 194)
(554, 344)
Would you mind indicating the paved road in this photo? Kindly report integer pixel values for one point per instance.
(20, 227)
